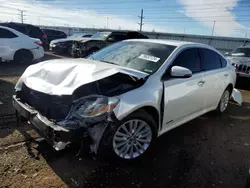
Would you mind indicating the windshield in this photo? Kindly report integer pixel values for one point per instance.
(143, 56)
(244, 52)
(101, 35)
(78, 35)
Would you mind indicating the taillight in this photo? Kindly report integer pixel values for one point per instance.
(44, 36)
(39, 43)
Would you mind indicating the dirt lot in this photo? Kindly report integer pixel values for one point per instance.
(208, 152)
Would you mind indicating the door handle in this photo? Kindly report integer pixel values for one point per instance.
(226, 75)
(200, 83)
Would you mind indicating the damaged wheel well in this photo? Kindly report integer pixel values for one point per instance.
(152, 111)
(230, 87)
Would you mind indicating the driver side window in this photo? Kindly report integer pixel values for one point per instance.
(189, 58)
(117, 37)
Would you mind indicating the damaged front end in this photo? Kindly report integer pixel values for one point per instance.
(66, 119)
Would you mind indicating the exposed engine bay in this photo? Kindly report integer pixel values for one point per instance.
(68, 111)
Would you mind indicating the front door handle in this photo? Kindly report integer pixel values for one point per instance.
(226, 75)
(200, 83)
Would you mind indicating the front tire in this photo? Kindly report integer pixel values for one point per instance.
(131, 139)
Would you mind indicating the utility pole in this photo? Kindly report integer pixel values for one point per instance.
(141, 20)
(245, 40)
(21, 15)
(213, 28)
(107, 22)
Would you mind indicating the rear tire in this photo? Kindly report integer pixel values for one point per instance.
(129, 140)
(223, 104)
(23, 57)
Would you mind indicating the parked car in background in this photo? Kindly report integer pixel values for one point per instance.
(27, 29)
(64, 46)
(240, 58)
(125, 95)
(54, 34)
(86, 46)
(19, 47)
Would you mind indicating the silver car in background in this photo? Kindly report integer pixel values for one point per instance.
(240, 58)
(125, 95)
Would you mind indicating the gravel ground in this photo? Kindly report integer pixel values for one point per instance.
(209, 151)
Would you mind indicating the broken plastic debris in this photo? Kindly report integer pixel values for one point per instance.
(236, 96)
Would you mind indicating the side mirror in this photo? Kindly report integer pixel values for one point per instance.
(226, 53)
(180, 72)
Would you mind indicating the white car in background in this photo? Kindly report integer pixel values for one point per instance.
(19, 47)
(240, 58)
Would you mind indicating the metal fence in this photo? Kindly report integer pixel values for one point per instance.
(223, 44)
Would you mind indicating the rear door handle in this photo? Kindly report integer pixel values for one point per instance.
(226, 75)
(200, 83)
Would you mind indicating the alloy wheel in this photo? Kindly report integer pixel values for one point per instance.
(132, 139)
(224, 101)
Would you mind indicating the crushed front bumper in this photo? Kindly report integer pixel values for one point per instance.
(58, 136)
(243, 74)
(58, 49)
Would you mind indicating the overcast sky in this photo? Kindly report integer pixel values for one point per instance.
(229, 17)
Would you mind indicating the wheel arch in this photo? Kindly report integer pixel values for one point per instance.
(230, 87)
(24, 50)
(152, 111)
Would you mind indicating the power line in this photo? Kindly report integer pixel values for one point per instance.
(127, 2)
(156, 19)
(141, 20)
(182, 17)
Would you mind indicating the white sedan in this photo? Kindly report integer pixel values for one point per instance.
(125, 95)
(19, 47)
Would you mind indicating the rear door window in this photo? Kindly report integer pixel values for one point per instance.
(118, 37)
(6, 34)
(21, 28)
(189, 58)
(35, 32)
(210, 60)
(223, 62)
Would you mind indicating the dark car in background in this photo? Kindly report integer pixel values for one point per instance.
(64, 46)
(54, 34)
(28, 29)
(87, 46)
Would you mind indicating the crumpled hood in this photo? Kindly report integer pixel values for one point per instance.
(62, 77)
(238, 60)
(88, 39)
(69, 39)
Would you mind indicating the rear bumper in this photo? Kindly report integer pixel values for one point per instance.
(38, 53)
(58, 136)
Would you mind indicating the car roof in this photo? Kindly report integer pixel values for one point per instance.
(8, 28)
(13, 30)
(14, 23)
(176, 43)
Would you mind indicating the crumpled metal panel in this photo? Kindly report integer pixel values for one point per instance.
(62, 77)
